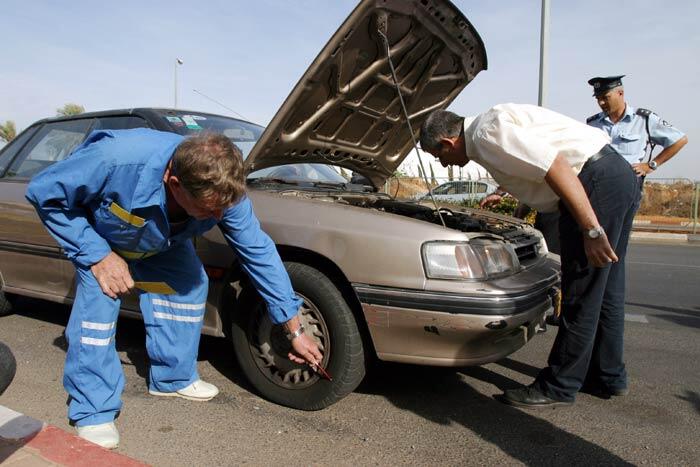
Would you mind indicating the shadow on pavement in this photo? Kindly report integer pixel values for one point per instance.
(520, 367)
(692, 397)
(441, 396)
(682, 316)
(678, 311)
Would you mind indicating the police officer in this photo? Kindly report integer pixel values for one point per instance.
(632, 130)
(125, 206)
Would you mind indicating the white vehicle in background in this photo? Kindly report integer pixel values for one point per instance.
(462, 190)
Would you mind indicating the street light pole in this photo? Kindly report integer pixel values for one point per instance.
(544, 54)
(178, 62)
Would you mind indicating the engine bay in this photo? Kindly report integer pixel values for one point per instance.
(524, 238)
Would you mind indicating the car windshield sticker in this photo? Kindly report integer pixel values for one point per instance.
(198, 117)
(190, 122)
(173, 119)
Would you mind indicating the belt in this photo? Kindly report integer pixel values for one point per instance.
(604, 151)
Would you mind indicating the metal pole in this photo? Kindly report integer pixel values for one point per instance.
(178, 62)
(697, 202)
(544, 54)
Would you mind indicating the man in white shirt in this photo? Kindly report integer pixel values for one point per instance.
(550, 161)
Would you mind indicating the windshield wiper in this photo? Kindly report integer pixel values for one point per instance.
(270, 180)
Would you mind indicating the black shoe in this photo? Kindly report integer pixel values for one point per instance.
(529, 396)
(603, 392)
(552, 320)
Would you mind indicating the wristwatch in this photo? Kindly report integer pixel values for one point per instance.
(652, 165)
(595, 232)
(298, 332)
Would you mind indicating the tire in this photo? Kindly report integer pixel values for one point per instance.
(261, 347)
(8, 366)
(5, 305)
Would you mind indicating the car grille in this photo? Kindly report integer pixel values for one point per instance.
(524, 244)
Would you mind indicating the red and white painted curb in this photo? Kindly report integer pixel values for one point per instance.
(56, 445)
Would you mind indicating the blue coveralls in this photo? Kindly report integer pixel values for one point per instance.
(109, 196)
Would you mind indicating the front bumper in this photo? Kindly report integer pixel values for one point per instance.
(429, 328)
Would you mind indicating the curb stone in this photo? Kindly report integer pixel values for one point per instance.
(27, 441)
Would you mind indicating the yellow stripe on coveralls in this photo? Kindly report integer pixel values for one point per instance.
(126, 216)
(134, 254)
(155, 287)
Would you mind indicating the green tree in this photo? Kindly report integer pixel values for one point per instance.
(8, 131)
(433, 180)
(70, 109)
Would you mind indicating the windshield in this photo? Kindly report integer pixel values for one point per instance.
(244, 135)
(241, 133)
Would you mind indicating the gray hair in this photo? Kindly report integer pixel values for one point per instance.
(439, 124)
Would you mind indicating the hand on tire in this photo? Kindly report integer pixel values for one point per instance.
(305, 350)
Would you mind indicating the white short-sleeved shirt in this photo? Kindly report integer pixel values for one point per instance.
(517, 144)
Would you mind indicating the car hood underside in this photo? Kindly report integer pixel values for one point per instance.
(345, 110)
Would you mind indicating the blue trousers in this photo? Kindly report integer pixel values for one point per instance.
(590, 338)
(93, 376)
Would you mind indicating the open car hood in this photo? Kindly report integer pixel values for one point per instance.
(345, 109)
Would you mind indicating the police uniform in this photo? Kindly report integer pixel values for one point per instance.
(629, 135)
(109, 196)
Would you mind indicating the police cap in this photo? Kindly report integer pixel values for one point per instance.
(601, 85)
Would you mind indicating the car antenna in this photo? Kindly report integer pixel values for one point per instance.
(222, 105)
(408, 122)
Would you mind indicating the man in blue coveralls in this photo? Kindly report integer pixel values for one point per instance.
(633, 130)
(125, 206)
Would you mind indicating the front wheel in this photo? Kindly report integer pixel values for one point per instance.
(262, 348)
(8, 366)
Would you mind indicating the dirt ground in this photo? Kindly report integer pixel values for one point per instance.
(667, 203)
(661, 204)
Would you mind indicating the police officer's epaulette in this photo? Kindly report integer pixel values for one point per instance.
(644, 112)
(593, 117)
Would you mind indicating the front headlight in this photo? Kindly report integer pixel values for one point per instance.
(478, 259)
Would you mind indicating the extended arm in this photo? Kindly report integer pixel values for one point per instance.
(259, 258)
(564, 182)
(643, 168)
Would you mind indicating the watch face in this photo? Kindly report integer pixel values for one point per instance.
(653, 165)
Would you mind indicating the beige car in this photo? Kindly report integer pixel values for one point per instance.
(380, 278)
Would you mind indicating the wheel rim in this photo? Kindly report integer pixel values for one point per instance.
(269, 346)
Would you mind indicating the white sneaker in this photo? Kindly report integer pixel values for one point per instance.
(197, 391)
(105, 434)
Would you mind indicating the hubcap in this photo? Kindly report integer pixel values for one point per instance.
(269, 346)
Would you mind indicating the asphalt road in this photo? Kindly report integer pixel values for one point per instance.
(405, 414)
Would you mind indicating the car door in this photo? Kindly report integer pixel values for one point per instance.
(30, 259)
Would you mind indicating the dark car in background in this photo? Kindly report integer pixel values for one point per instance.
(379, 278)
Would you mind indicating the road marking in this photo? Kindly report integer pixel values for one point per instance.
(636, 318)
(666, 264)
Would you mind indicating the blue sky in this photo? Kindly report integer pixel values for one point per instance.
(248, 55)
